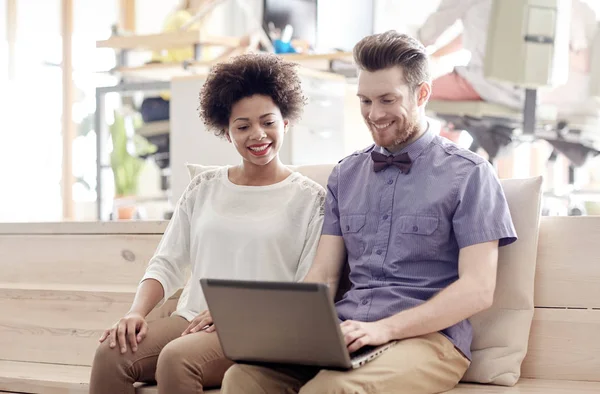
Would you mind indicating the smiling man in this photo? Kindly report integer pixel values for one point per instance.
(419, 221)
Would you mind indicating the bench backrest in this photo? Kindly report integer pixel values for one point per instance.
(565, 336)
(63, 284)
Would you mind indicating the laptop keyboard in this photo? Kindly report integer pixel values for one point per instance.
(362, 351)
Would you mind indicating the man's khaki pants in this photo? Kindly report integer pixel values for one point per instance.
(179, 364)
(424, 365)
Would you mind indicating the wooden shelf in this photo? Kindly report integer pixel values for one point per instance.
(301, 58)
(163, 71)
(168, 40)
(166, 71)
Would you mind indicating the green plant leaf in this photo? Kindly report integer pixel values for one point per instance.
(126, 165)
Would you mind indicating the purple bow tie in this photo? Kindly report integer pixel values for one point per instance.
(381, 161)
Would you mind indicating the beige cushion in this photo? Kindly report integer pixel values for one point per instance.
(500, 333)
(317, 172)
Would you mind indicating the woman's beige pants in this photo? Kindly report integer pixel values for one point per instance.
(178, 364)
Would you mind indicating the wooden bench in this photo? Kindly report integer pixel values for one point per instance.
(62, 284)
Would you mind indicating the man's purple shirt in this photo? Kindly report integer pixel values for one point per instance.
(403, 232)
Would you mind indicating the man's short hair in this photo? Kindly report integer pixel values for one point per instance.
(392, 49)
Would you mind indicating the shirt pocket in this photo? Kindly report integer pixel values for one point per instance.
(419, 245)
(417, 238)
(352, 228)
(418, 225)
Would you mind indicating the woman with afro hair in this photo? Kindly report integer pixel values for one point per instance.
(257, 220)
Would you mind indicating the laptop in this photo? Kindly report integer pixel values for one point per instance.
(281, 322)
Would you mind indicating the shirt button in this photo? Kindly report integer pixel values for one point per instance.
(415, 229)
(365, 302)
(379, 252)
(385, 217)
(390, 182)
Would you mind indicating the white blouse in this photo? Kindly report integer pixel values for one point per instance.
(227, 231)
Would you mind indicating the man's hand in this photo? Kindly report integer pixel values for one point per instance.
(358, 334)
(202, 322)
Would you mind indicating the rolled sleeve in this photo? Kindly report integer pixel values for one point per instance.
(482, 213)
(331, 221)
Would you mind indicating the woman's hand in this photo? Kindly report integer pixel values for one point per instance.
(132, 327)
(202, 322)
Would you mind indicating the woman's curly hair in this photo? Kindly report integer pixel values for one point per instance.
(244, 76)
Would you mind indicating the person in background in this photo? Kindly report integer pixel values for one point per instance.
(174, 21)
(574, 96)
(157, 108)
(406, 215)
(254, 221)
(468, 82)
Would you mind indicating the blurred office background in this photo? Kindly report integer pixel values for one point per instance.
(51, 66)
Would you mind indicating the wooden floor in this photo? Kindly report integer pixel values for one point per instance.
(24, 377)
(532, 386)
(526, 386)
(65, 379)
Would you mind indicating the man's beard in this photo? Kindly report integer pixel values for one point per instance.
(409, 131)
(405, 132)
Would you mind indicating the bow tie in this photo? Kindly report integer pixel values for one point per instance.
(381, 161)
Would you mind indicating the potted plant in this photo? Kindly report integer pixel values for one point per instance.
(126, 162)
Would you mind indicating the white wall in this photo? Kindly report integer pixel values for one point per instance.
(404, 16)
(595, 5)
(150, 15)
(342, 23)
